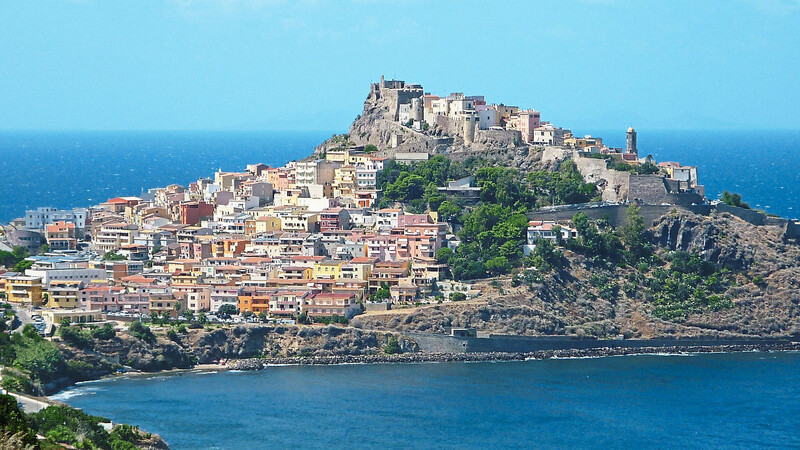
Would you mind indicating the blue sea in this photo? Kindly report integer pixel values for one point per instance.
(744, 400)
(85, 168)
(67, 170)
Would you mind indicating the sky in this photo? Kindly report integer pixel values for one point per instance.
(307, 64)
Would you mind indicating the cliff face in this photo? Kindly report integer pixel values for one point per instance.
(764, 294)
(203, 346)
(377, 125)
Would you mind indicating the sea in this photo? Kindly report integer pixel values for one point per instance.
(73, 169)
(739, 400)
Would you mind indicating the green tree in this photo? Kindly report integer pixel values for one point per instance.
(383, 293)
(443, 255)
(632, 234)
(498, 265)
(734, 200)
(23, 265)
(226, 311)
(392, 346)
(141, 331)
(14, 422)
(449, 211)
(113, 256)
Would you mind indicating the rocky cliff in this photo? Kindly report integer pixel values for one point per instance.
(203, 346)
(377, 125)
(764, 272)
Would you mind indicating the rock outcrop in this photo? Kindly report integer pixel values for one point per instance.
(764, 292)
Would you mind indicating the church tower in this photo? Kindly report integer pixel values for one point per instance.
(631, 147)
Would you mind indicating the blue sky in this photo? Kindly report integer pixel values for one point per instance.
(303, 64)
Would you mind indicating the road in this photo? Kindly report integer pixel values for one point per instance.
(29, 404)
(24, 316)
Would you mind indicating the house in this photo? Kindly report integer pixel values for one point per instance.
(387, 218)
(328, 269)
(61, 236)
(63, 294)
(166, 304)
(403, 293)
(23, 289)
(546, 230)
(327, 304)
(288, 303)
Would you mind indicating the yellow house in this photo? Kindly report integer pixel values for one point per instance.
(328, 269)
(359, 268)
(296, 273)
(358, 159)
(341, 155)
(265, 224)
(344, 181)
(24, 289)
(63, 294)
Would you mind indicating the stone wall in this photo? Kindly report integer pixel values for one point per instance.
(615, 214)
(652, 189)
(439, 343)
(613, 184)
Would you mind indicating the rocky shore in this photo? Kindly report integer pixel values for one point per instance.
(261, 363)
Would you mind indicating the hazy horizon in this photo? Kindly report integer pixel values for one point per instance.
(253, 65)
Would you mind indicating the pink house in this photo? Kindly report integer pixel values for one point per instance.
(529, 120)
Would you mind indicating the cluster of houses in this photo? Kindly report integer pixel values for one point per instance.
(303, 238)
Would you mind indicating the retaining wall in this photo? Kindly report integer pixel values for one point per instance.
(439, 343)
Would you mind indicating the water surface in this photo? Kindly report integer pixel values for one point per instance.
(741, 400)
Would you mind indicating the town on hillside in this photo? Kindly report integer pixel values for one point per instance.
(373, 221)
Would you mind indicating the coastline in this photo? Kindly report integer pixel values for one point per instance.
(410, 358)
(255, 364)
(252, 364)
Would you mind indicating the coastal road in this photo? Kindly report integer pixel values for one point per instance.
(29, 404)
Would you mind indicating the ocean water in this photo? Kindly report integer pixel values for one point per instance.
(67, 170)
(81, 169)
(745, 400)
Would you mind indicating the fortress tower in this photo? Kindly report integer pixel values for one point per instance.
(417, 112)
(470, 125)
(631, 143)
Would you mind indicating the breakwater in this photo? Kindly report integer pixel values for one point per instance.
(421, 357)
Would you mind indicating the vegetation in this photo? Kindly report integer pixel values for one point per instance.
(687, 286)
(458, 296)
(416, 184)
(648, 168)
(734, 200)
(76, 336)
(14, 257)
(679, 284)
(226, 311)
(566, 186)
(382, 294)
(14, 423)
(113, 256)
(332, 319)
(392, 346)
(65, 425)
(141, 331)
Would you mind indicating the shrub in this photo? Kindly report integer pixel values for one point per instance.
(457, 296)
(392, 346)
(105, 332)
(140, 331)
(76, 336)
